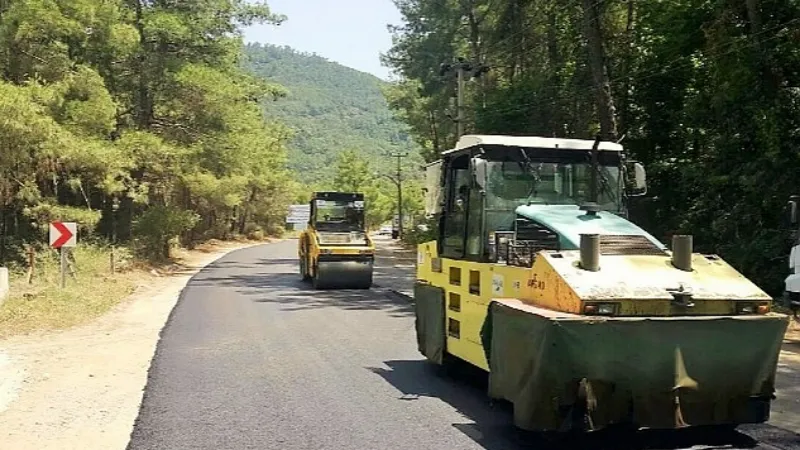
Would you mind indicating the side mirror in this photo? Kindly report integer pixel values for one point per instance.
(479, 171)
(793, 209)
(637, 179)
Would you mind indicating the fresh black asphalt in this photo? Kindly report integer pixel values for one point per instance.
(253, 358)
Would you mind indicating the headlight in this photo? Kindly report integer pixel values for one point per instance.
(601, 309)
(751, 308)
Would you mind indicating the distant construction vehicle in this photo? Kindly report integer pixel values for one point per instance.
(335, 250)
(583, 319)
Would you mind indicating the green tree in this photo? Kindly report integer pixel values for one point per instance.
(140, 102)
(700, 91)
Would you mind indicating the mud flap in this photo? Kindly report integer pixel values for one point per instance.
(430, 319)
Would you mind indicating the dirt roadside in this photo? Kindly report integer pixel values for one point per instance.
(81, 388)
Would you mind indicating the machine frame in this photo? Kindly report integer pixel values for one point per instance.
(542, 280)
(336, 257)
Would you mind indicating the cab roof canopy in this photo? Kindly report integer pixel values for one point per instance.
(338, 196)
(474, 140)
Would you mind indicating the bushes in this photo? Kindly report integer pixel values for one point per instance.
(158, 227)
(415, 235)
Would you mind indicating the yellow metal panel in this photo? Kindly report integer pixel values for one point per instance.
(638, 283)
(546, 288)
(472, 315)
(648, 277)
(496, 280)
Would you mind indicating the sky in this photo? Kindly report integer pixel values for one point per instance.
(350, 32)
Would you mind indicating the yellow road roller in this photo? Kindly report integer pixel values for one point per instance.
(582, 319)
(335, 249)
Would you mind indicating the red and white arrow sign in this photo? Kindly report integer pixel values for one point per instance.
(63, 234)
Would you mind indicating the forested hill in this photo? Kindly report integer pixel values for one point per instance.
(330, 107)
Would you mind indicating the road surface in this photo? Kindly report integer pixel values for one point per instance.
(252, 358)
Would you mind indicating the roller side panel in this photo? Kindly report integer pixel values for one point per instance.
(429, 309)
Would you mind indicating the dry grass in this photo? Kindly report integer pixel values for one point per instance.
(43, 305)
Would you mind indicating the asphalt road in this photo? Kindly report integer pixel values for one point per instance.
(252, 358)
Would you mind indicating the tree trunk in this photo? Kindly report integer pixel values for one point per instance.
(434, 133)
(474, 30)
(144, 110)
(772, 76)
(625, 109)
(754, 16)
(554, 63)
(3, 231)
(599, 69)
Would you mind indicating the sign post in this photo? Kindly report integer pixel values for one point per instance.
(63, 235)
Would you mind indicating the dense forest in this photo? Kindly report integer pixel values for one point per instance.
(135, 119)
(330, 108)
(151, 124)
(705, 93)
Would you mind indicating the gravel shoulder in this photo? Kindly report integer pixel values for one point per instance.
(395, 266)
(81, 388)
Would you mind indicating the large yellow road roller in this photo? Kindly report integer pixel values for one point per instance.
(335, 250)
(581, 318)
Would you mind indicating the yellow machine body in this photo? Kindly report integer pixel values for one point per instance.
(336, 251)
(632, 286)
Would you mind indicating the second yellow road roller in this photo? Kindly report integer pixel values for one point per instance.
(335, 250)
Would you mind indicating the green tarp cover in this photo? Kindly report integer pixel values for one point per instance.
(652, 372)
(429, 308)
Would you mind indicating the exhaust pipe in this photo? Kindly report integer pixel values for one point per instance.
(590, 252)
(682, 252)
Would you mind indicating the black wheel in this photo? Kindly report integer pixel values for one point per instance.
(315, 279)
(304, 268)
(367, 284)
(448, 368)
(304, 261)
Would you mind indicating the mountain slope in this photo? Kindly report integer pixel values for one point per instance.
(331, 108)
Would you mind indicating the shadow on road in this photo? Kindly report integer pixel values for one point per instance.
(228, 265)
(490, 423)
(396, 278)
(293, 294)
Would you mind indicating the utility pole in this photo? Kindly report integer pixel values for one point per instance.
(399, 183)
(462, 68)
(460, 101)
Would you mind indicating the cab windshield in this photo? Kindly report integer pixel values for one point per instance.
(510, 184)
(337, 215)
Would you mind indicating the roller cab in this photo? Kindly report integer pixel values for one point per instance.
(335, 250)
(583, 319)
